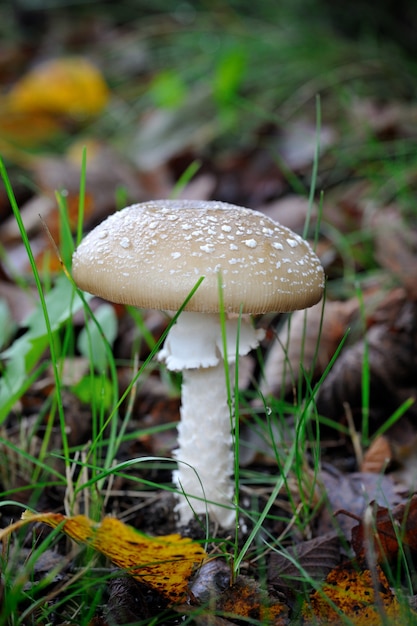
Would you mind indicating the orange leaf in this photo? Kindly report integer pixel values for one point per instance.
(163, 563)
(26, 129)
(350, 592)
(244, 599)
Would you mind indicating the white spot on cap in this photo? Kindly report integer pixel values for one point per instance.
(175, 255)
(226, 228)
(251, 243)
(125, 242)
(277, 245)
(207, 248)
(103, 234)
(292, 243)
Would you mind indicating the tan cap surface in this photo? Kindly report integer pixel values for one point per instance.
(151, 255)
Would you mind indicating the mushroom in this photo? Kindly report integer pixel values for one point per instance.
(152, 255)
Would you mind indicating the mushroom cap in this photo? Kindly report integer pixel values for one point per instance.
(151, 255)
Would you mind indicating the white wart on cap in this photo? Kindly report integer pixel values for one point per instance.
(151, 255)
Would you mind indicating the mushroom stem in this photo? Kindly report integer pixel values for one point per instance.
(205, 446)
(205, 458)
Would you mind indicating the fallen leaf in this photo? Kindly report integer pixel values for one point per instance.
(244, 598)
(70, 86)
(387, 529)
(39, 105)
(166, 132)
(212, 586)
(378, 456)
(315, 558)
(396, 246)
(20, 129)
(211, 579)
(391, 358)
(164, 564)
(129, 602)
(348, 592)
(309, 340)
(352, 492)
(382, 119)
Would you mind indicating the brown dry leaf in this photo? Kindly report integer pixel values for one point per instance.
(105, 172)
(316, 558)
(396, 246)
(211, 580)
(311, 337)
(382, 118)
(19, 129)
(349, 592)
(344, 206)
(386, 529)
(167, 132)
(378, 456)
(392, 361)
(129, 602)
(352, 492)
(403, 439)
(19, 302)
(164, 564)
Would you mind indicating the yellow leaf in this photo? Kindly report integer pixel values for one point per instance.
(69, 86)
(350, 591)
(163, 563)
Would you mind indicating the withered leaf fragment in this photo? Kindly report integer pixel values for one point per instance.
(312, 559)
